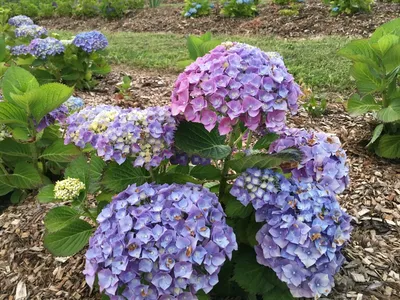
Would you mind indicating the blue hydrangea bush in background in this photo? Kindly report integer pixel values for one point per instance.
(196, 8)
(214, 196)
(77, 61)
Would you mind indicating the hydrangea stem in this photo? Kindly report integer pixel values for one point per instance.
(225, 168)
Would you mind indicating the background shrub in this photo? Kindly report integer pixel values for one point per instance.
(195, 8)
(239, 8)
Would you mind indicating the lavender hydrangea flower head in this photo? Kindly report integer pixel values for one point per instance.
(33, 31)
(159, 242)
(20, 20)
(74, 104)
(117, 133)
(324, 160)
(42, 48)
(20, 50)
(90, 41)
(236, 82)
(304, 232)
(58, 115)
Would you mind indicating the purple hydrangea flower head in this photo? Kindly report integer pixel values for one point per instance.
(90, 41)
(74, 103)
(33, 31)
(42, 48)
(117, 133)
(20, 50)
(159, 242)
(20, 20)
(304, 231)
(58, 115)
(236, 82)
(324, 160)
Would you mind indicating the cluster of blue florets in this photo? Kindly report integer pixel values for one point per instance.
(304, 232)
(90, 41)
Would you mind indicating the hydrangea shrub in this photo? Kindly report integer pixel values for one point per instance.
(196, 8)
(76, 62)
(180, 225)
(29, 127)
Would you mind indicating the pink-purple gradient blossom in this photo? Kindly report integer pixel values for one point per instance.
(236, 82)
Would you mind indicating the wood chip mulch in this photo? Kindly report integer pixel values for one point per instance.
(313, 20)
(372, 270)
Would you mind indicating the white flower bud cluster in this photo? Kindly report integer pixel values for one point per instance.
(4, 132)
(68, 189)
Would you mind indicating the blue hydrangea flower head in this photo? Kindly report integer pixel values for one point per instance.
(117, 133)
(42, 48)
(159, 242)
(303, 233)
(20, 20)
(33, 31)
(20, 50)
(74, 103)
(192, 10)
(324, 160)
(90, 41)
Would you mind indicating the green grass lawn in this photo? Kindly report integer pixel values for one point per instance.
(312, 61)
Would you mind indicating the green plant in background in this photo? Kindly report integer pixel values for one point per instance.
(154, 3)
(239, 8)
(316, 106)
(46, 10)
(376, 65)
(349, 6)
(32, 148)
(64, 8)
(198, 46)
(86, 8)
(123, 89)
(196, 8)
(134, 4)
(111, 9)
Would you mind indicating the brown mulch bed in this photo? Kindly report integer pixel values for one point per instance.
(313, 20)
(373, 199)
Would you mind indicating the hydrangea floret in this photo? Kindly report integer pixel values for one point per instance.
(159, 242)
(20, 20)
(43, 48)
(68, 189)
(235, 82)
(90, 41)
(33, 31)
(324, 160)
(117, 133)
(304, 232)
